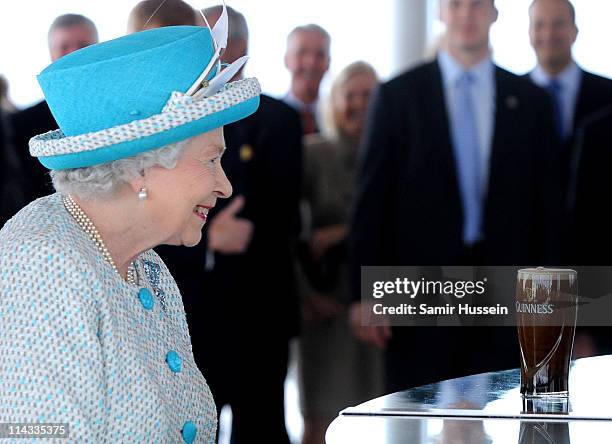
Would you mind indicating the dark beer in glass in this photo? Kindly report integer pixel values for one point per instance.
(546, 309)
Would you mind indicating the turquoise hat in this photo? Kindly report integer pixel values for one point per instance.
(137, 93)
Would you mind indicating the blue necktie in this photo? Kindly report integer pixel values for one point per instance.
(554, 89)
(467, 155)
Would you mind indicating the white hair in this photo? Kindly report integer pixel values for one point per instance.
(311, 28)
(102, 181)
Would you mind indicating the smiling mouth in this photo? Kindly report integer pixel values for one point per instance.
(201, 211)
(357, 115)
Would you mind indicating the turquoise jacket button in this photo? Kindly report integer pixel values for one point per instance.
(189, 432)
(146, 298)
(174, 361)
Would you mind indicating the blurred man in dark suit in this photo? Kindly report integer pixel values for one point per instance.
(591, 188)
(591, 232)
(68, 33)
(307, 59)
(458, 168)
(590, 236)
(576, 95)
(575, 92)
(241, 327)
(12, 180)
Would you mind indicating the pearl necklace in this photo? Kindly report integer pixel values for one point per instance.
(88, 227)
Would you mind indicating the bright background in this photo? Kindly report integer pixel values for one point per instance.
(24, 26)
(360, 29)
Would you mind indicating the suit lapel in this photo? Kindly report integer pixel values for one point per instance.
(438, 102)
(504, 124)
(583, 98)
(440, 126)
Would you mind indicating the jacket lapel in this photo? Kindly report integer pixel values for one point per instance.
(441, 132)
(583, 98)
(507, 104)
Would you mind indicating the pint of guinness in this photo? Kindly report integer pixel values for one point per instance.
(546, 308)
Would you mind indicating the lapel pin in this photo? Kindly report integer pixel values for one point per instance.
(512, 102)
(246, 152)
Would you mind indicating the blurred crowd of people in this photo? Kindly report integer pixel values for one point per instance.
(455, 161)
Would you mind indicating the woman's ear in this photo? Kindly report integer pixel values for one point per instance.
(139, 182)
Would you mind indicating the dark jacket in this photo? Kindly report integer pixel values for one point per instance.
(594, 93)
(408, 209)
(26, 124)
(13, 180)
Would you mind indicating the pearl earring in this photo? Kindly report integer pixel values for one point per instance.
(142, 194)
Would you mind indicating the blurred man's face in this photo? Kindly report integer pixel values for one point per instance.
(552, 32)
(468, 23)
(68, 39)
(307, 59)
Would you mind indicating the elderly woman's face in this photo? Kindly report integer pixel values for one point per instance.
(180, 198)
(351, 103)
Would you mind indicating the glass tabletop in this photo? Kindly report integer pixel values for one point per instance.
(414, 430)
(485, 409)
(496, 395)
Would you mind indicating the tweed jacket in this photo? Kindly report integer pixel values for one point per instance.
(79, 345)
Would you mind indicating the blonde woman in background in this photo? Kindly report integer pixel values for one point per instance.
(335, 369)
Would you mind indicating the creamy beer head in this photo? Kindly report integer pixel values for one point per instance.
(546, 296)
(541, 274)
